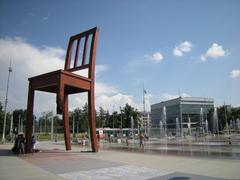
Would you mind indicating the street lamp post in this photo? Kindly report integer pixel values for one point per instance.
(19, 123)
(121, 122)
(11, 128)
(5, 107)
(52, 127)
(73, 132)
(113, 116)
(22, 125)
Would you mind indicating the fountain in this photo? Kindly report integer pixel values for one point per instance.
(177, 127)
(161, 128)
(164, 119)
(189, 126)
(238, 124)
(227, 126)
(215, 121)
(234, 125)
(206, 126)
(201, 120)
(132, 126)
(149, 133)
(231, 124)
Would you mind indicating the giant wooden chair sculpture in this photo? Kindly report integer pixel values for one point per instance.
(65, 82)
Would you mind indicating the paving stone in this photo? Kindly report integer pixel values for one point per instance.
(129, 172)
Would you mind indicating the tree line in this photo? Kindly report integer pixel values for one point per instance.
(115, 119)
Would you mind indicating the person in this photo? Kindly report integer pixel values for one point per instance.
(109, 138)
(98, 137)
(15, 148)
(229, 141)
(56, 137)
(33, 142)
(21, 144)
(83, 140)
(141, 141)
(98, 140)
(127, 143)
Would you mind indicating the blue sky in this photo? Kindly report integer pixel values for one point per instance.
(174, 47)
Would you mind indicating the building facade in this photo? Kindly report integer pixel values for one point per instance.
(182, 113)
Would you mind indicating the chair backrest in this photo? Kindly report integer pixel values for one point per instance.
(84, 57)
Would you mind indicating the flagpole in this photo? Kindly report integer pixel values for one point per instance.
(6, 101)
(144, 100)
(144, 111)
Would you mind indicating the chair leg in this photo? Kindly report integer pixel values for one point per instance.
(92, 120)
(29, 125)
(59, 102)
(66, 123)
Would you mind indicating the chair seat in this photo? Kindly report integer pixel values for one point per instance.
(51, 82)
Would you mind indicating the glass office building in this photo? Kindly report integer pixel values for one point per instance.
(182, 113)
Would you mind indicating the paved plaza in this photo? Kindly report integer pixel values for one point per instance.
(53, 162)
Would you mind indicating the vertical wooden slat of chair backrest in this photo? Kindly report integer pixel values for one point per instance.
(76, 53)
(69, 54)
(92, 55)
(85, 50)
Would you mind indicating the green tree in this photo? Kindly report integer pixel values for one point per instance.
(107, 119)
(45, 121)
(8, 120)
(19, 119)
(81, 118)
(127, 113)
(122, 119)
(236, 113)
(58, 124)
(113, 120)
(101, 118)
(210, 119)
(1, 118)
(224, 115)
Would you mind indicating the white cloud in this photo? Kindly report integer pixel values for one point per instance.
(156, 57)
(31, 14)
(45, 18)
(182, 48)
(115, 101)
(29, 60)
(177, 52)
(203, 58)
(103, 88)
(167, 96)
(101, 68)
(215, 51)
(235, 73)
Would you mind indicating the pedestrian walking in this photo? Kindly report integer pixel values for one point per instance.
(127, 143)
(141, 141)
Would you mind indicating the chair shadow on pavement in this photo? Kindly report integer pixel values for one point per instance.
(6, 152)
(179, 178)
